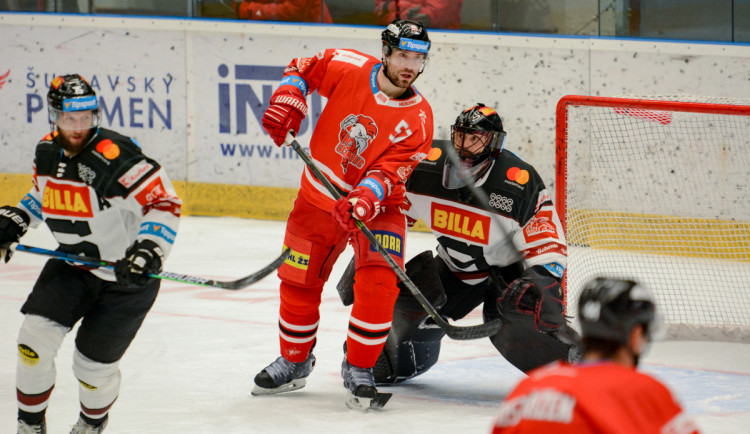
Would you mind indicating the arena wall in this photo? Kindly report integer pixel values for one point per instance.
(192, 92)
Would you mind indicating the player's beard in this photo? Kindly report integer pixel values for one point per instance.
(73, 141)
(395, 79)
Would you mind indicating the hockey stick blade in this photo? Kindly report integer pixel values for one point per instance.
(164, 275)
(453, 332)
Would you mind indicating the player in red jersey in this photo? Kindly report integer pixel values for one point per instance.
(604, 393)
(374, 130)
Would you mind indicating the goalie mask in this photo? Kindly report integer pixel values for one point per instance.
(478, 138)
(72, 103)
(608, 309)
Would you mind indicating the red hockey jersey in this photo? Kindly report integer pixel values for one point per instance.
(361, 130)
(601, 397)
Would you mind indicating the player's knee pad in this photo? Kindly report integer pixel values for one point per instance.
(373, 284)
(38, 341)
(99, 382)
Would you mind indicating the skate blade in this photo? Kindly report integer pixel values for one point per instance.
(365, 403)
(288, 387)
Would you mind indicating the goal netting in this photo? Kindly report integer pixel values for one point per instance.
(657, 188)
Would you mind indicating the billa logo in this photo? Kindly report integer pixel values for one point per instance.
(65, 199)
(460, 223)
(108, 149)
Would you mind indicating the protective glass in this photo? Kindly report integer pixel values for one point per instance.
(75, 120)
(410, 60)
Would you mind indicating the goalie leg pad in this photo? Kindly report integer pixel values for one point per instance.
(422, 271)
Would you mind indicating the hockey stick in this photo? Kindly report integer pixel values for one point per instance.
(453, 332)
(164, 275)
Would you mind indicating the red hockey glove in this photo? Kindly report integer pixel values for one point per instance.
(285, 113)
(362, 203)
(538, 294)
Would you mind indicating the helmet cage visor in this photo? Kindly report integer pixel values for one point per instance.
(81, 113)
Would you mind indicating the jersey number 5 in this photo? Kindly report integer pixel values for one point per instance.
(402, 131)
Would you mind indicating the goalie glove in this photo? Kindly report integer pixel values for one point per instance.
(141, 259)
(537, 294)
(14, 223)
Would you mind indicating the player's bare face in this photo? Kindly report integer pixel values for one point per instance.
(74, 130)
(404, 66)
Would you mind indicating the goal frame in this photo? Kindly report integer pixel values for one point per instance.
(680, 331)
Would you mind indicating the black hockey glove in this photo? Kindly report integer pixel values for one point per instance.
(14, 223)
(536, 293)
(141, 259)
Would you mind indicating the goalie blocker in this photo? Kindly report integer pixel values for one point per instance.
(413, 344)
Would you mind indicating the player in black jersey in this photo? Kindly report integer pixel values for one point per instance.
(500, 245)
(100, 196)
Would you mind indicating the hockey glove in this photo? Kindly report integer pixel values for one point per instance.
(14, 223)
(141, 259)
(285, 113)
(362, 203)
(538, 294)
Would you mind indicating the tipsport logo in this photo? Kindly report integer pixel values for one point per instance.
(244, 92)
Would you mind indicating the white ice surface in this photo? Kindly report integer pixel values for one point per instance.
(190, 368)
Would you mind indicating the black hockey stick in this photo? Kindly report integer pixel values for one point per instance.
(164, 275)
(453, 332)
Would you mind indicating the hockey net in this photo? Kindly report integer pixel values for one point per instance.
(657, 189)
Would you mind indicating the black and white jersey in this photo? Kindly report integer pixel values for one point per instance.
(519, 222)
(99, 201)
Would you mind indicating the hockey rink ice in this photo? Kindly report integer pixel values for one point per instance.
(191, 367)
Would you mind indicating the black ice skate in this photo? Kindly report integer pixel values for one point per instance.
(82, 427)
(24, 428)
(361, 393)
(283, 376)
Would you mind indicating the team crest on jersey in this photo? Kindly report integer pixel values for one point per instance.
(540, 227)
(355, 135)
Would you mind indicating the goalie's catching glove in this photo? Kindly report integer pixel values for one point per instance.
(141, 259)
(536, 293)
(14, 223)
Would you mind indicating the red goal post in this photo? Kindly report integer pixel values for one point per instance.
(658, 189)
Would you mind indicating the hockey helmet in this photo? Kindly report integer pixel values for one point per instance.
(608, 309)
(68, 94)
(478, 138)
(408, 36)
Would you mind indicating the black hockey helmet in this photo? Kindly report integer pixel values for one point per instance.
(478, 138)
(406, 35)
(608, 309)
(71, 93)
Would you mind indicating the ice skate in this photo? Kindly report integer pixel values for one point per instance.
(361, 393)
(24, 428)
(83, 427)
(283, 376)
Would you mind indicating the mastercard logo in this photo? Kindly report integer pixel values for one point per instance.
(518, 175)
(108, 149)
(434, 154)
